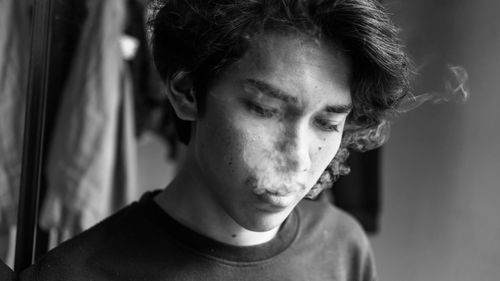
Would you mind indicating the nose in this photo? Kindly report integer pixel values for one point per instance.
(295, 148)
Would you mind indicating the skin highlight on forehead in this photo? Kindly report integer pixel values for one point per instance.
(280, 65)
(267, 49)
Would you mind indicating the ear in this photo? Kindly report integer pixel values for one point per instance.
(181, 95)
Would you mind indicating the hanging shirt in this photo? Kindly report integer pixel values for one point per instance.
(90, 129)
(14, 54)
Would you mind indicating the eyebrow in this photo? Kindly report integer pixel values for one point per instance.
(340, 108)
(273, 92)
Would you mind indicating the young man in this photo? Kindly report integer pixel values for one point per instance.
(262, 91)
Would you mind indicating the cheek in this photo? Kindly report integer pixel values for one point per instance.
(215, 141)
(323, 154)
(254, 150)
(228, 145)
(235, 144)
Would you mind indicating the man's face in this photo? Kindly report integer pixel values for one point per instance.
(271, 124)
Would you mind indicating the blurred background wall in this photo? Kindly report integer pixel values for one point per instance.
(441, 190)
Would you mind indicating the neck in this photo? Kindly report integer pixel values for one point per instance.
(190, 201)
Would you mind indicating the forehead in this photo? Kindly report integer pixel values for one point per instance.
(297, 65)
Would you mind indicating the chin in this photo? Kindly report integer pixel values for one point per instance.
(265, 221)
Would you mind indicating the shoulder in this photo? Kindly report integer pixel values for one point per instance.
(336, 237)
(79, 257)
(323, 216)
(6, 273)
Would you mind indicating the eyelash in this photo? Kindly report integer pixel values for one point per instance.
(270, 113)
(326, 126)
(261, 111)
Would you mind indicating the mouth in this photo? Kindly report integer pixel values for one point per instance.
(276, 196)
(277, 200)
(281, 190)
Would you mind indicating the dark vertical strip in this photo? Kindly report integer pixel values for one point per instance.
(33, 134)
(359, 192)
(67, 19)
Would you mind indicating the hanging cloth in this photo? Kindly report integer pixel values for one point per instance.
(89, 129)
(14, 54)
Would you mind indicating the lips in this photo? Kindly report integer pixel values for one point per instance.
(279, 191)
(278, 200)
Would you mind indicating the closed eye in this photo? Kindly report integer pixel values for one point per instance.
(260, 110)
(326, 125)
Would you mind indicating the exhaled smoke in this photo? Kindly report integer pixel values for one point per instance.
(275, 174)
(455, 89)
(364, 139)
(356, 138)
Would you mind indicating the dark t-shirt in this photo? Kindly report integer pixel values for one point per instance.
(6, 274)
(142, 242)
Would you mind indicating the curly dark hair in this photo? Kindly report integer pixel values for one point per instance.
(202, 37)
